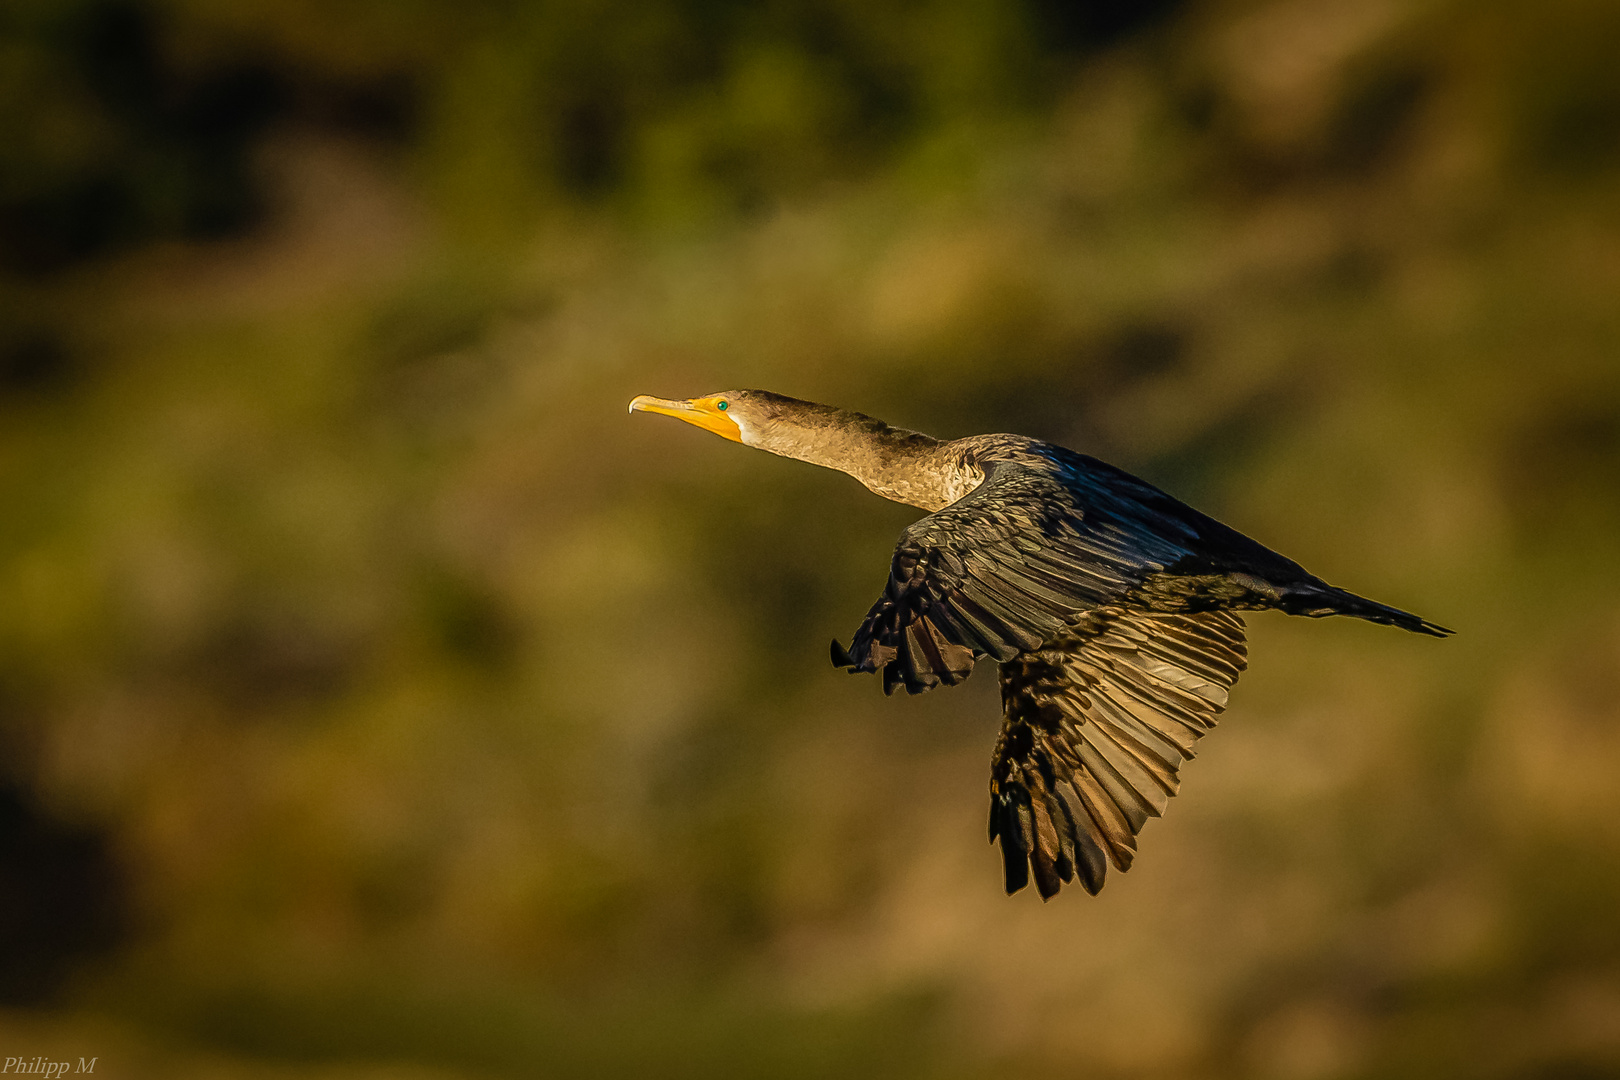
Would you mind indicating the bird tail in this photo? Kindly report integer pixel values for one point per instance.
(1319, 599)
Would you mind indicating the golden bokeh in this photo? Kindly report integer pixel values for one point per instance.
(377, 699)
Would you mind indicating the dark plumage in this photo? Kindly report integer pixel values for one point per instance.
(1108, 604)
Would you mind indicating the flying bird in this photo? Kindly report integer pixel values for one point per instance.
(1109, 605)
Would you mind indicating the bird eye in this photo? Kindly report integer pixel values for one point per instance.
(723, 406)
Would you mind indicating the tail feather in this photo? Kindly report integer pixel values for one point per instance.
(1320, 600)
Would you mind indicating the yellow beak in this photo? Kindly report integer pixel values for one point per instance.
(703, 412)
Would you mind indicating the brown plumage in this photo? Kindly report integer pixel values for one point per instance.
(1109, 605)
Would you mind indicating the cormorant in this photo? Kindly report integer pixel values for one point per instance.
(1109, 605)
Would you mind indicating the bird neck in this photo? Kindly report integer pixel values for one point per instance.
(905, 466)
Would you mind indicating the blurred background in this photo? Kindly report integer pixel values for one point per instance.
(378, 700)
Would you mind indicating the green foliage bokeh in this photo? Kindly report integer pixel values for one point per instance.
(377, 698)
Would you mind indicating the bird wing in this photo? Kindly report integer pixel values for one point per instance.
(1006, 568)
(1096, 726)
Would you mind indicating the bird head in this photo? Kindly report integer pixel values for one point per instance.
(820, 434)
(893, 462)
(726, 414)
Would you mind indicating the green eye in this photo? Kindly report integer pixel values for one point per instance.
(723, 406)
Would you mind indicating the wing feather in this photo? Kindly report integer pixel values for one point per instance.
(1097, 723)
(1004, 570)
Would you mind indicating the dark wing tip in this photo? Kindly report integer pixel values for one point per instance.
(1433, 629)
(841, 657)
(1092, 875)
(1016, 866)
(1006, 826)
(1047, 879)
(892, 679)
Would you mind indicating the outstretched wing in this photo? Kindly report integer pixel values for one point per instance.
(1008, 567)
(1097, 725)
